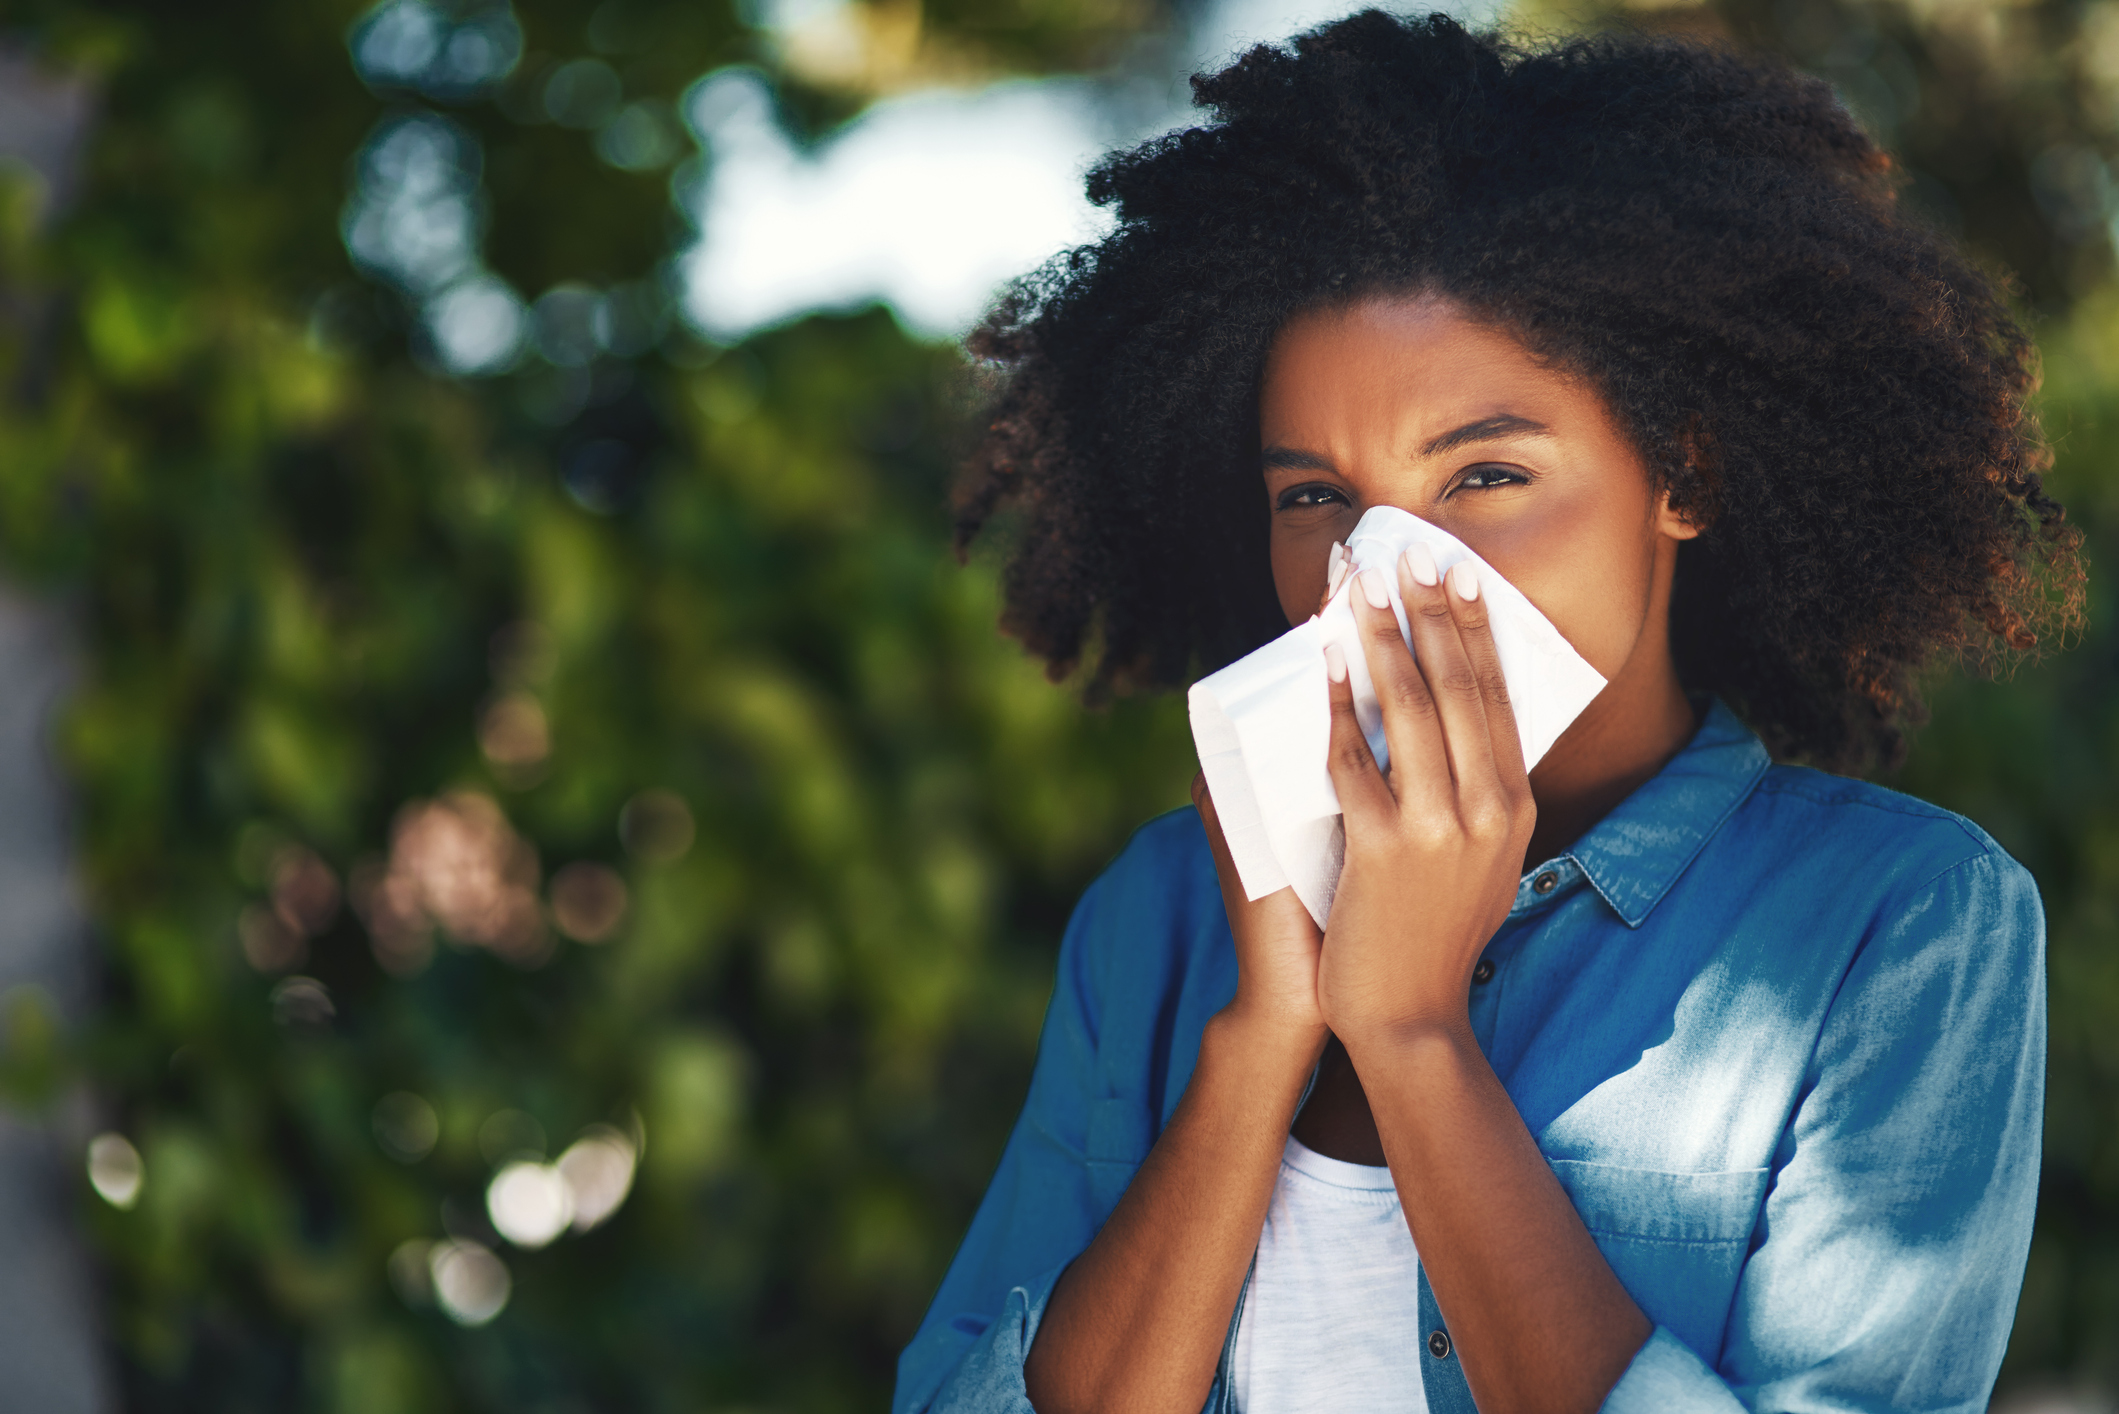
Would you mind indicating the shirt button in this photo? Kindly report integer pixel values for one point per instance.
(1484, 972)
(1438, 1344)
(1545, 883)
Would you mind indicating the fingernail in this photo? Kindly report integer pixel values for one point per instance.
(1338, 575)
(1377, 592)
(1465, 580)
(1420, 563)
(1334, 663)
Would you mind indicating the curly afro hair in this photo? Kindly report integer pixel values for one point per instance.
(1828, 387)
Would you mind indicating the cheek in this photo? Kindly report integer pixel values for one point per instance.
(1301, 564)
(1601, 617)
(1593, 579)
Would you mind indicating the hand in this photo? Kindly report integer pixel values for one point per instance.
(1276, 946)
(1138, 1321)
(1433, 854)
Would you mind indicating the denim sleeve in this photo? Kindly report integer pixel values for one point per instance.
(1887, 1262)
(1038, 1215)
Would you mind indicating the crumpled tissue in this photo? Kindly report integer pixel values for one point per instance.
(1263, 724)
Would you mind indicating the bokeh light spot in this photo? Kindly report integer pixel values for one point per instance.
(470, 1283)
(583, 94)
(513, 733)
(406, 1126)
(303, 1004)
(269, 945)
(639, 139)
(305, 893)
(588, 901)
(598, 1169)
(564, 325)
(115, 1170)
(477, 325)
(656, 826)
(411, 1272)
(412, 218)
(631, 318)
(529, 1203)
(455, 864)
(451, 54)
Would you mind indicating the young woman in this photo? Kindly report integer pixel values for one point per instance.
(1665, 1077)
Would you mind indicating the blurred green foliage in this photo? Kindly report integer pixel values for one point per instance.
(382, 701)
(320, 585)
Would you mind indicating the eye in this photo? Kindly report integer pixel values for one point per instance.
(1314, 493)
(1488, 476)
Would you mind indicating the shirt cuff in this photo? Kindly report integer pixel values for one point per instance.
(990, 1378)
(1667, 1378)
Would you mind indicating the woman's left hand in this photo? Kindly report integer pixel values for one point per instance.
(1433, 856)
(1434, 850)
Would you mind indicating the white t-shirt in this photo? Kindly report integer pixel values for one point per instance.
(1332, 1321)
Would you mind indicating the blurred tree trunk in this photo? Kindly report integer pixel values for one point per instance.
(51, 1349)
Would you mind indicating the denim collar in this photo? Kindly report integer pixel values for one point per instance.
(1633, 855)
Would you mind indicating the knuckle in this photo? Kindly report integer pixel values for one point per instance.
(1489, 819)
(1430, 830)
(1494, 685)
(1461, 681)
(1411, 694)
(1354, 755)
(1435, 610)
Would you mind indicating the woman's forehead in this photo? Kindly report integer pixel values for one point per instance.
(1418, 370)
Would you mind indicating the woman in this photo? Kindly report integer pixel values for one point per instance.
(1664, 1077)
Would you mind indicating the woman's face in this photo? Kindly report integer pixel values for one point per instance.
(1406, 402)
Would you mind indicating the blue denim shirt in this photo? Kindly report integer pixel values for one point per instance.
(1781, 1036)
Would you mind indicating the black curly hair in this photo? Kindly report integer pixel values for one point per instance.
(1828, 387)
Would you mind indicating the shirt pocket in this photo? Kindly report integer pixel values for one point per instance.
(1677, 1241)
(1118, 1141)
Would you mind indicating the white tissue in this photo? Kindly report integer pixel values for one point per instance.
(1263, 724)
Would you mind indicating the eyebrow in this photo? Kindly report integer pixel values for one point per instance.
(1486, 429)
(1289, 459)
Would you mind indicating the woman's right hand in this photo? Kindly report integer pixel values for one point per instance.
(1277, 946)
(1136, 1324)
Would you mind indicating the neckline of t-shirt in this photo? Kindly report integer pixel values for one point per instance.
(1364, 1178)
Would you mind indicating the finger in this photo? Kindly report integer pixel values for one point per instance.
(1469, 605)
(1419, 763)
(1363, 795)
(1447, 668)
(1335, 574)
